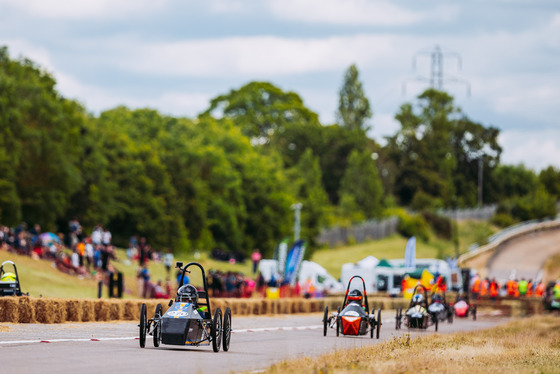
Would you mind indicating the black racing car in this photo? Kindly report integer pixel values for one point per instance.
(188, 321)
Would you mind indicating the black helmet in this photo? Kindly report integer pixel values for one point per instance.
(355, 295)
(187, 293)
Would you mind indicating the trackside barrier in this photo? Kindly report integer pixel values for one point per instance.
(53, 310)
(507, 235)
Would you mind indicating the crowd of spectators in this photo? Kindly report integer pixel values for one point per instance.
(230, 284)
(75, 253)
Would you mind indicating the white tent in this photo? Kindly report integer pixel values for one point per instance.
(364, 268)
(322, 280)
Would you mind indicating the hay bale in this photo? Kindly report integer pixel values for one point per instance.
(131, 311)
(285, 306)
(88, 310)
(73, 311)
(44, 311)
(9, 309)
(102, 310)
(255, 306)
(304, 306)
(26, 310)
(59, 310)
(116, 311)
(243, 308)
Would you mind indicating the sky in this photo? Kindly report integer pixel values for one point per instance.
(176, 55)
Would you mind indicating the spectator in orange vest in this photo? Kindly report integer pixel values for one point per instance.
(494, 289)
(530, 288)
(539, 289)
(475, 288)
(484, 287)
(510, 287)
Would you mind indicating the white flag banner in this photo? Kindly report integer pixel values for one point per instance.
(410, 253)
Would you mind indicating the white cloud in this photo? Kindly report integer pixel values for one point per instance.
(226, 6)
(355, 12)
(22, 48)
(84, 9)
(535, 149)
(254, 56)
(97, 99)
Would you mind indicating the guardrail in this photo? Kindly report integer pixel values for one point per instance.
(507, 234)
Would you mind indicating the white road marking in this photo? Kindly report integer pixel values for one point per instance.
(239, 331)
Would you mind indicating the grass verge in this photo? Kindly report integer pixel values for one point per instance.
(529, 345)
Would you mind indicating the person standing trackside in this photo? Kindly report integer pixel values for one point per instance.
(168, 261)
(256, 257)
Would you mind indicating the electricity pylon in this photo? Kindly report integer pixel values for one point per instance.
(437, 77)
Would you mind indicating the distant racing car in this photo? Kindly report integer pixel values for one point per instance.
(439, 306)
(418, 315)
(463, 308)
(188, 321)
(9, 281)
(354, 318)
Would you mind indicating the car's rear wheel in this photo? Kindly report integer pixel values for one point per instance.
(372, 323)
(217, 330)
(325, 320)
(157, 325)
(227, 330)
(142, 325)
(338, 321)
(437, 323)
(378, 328)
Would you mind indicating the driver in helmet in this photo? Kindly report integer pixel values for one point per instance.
(188, 293)
(417, 306)
(417, 299)
(8, 277)
(355, 296)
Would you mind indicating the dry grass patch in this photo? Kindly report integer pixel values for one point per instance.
(528, 345)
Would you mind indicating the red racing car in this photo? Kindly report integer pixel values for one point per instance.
(354, 318)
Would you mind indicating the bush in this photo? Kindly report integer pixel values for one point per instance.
(535, 205)
(503, 220)
(410, 225)
(441, 225)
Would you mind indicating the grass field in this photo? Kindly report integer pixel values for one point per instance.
(39, 277)
(528, 345)
(394, 246)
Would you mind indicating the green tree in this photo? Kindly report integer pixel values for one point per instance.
(550, 179)
(353, 106)
(261, 109)
(436, 151)
(361, 181)
(514, 180)
(305, 181)
(40, 144)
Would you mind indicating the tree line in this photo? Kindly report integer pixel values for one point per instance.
(229, 177)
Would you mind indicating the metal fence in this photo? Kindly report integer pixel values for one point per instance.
(481, 213)
(359, 233)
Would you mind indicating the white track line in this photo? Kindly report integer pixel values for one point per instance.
(65, 340)
(240, 331)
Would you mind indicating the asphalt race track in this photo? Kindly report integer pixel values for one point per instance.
(524, 256)
(256, 343)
